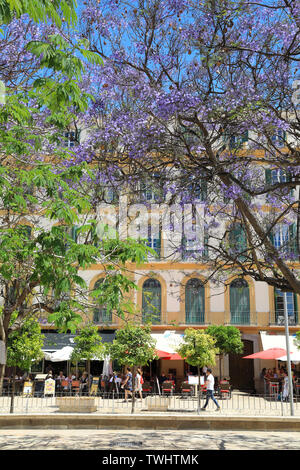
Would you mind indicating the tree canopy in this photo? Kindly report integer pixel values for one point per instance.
(203, 96)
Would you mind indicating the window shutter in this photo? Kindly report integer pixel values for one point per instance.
(268, 176)
(74, 233)
(293, 238)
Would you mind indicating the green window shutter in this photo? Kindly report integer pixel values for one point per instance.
(101, 313)
(194, 302)
(289, 179)
(74, 233)
(238, 241)
(293, 238)
(245, 136)
(206, 250)
(203, 190)
(271, 237)
(151, 301)
(239, 302)
(268, 177)
(296, 308)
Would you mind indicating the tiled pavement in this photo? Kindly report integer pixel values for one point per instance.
(96, 440)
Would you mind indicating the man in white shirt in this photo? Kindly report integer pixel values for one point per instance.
(210, 388)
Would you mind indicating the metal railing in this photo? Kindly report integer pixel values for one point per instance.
(277, 318)
(111, 402)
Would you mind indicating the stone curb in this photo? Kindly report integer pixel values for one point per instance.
(146, 422)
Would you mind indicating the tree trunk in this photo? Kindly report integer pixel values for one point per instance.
(13, 390)
(89, 375)
(133, 389)
(199, 390)
(2, 371)
(3, 337)
(220, 366)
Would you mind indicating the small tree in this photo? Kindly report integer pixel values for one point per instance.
(228, 340)
(297, 339)
(133, 346)
(24, 347)
(198, 349)
(88, 346)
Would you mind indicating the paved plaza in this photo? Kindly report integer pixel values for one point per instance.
(89, 439)
(69, 434)
(238, 404)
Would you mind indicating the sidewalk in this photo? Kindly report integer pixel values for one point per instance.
(238, 405)
(240, 412)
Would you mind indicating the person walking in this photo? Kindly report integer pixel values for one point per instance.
(127, 385)
(210, 388)
(285, 387)
(139, 383)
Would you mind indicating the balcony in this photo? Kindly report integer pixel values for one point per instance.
(241, 318)
(195, 318)
(276, 318)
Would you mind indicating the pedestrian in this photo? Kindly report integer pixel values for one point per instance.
(127, 385)
(210, 388)
(84, 384)
(139, 383)
(285, 387)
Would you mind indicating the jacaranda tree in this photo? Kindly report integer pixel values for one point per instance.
(48, 228)
(201, 98)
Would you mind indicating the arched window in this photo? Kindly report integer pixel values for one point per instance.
(101, 313)
(194, 302)
(291, 304)
(239, 302)
(151, 302)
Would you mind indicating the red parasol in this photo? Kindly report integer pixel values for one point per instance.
(272, 353)
(165, 355)
(175, 357)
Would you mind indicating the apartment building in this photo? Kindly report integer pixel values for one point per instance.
(175, 287)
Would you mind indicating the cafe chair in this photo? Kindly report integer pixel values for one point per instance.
(65, 386)
(274, 389)
(167, 388)
(186, 390)
(146, 388)
(224, 389)
(75, 387)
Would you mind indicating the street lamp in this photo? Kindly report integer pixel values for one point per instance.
(286, 323)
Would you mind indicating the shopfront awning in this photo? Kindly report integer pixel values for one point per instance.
(58, 347)
(278, 341)
(168, 341)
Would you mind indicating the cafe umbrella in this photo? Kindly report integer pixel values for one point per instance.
(271, 353)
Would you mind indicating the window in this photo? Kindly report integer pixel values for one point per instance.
(107, 194)
(196, 190)
(154, 242)
(70, 139)
(194, 302)
(239, 302)
(278, 175)
(151, 190)
(151, 301)
(101, 313)
(191, 248)
(236, 141)
(291, 303)
(238, 242)
(278, 139)
(284, 239)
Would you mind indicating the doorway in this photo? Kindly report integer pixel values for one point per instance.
(241, 370)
